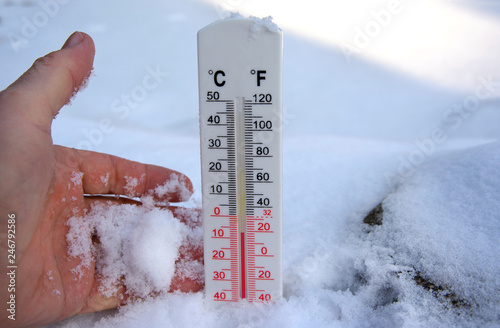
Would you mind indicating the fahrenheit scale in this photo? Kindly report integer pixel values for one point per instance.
(240, 73)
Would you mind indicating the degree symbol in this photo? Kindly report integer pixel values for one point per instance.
(210, 72)
(252, 72)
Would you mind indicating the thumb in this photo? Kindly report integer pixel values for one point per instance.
(49, 84)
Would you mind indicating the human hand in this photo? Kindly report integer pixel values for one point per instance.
(35, 181)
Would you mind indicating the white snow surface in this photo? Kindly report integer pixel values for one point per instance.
(410, 118)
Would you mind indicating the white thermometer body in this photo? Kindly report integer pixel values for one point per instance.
(240, 89)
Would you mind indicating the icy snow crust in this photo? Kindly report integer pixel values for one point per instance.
(350, 130)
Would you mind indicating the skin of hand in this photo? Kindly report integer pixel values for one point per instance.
(36, 178)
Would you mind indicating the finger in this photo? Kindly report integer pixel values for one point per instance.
(186, 285)
(189, 267)
(188, 276)
(108, 200)
(97, 301)
(189, 216)
(108, 174)
(39, 94)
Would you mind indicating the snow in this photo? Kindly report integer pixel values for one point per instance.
(410, 120)
(454, 241)
(138, 246)
(259, 24)
(132, 183)
(76, 178)
(105, 179)
(175, 185)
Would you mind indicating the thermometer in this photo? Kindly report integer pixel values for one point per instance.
(240, 74)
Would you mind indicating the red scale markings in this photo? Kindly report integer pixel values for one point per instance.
(248, 277)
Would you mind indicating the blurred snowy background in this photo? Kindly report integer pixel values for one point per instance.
(384, 100)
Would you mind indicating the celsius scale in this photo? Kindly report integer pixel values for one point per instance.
(240, 90)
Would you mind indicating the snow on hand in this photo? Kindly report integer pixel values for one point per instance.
(137, 245)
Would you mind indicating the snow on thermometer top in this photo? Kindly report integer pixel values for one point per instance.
(240, 73)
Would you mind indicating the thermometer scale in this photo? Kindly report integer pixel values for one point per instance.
(240, 74)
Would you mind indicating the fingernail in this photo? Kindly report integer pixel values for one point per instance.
(73, 40)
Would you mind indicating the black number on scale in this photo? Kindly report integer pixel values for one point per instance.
(262, 98)
(263, 125)
(262, 176)
(215, 119)
(213, 95)
(263, 202)
(262, 151)
(216, 188)
(215, 166)
(214, 143)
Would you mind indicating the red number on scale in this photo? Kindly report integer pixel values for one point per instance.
(219, 275)
(216, 211)
(267, 212)
(263, 250)
(218, 254)
(218, 233)
(264, 274)
(264, 226)
(265, 297)
(221, 296)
